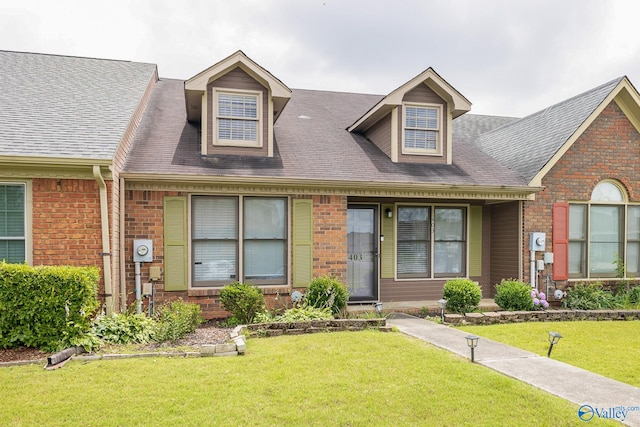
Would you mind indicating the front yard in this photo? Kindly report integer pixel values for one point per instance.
(342, 378)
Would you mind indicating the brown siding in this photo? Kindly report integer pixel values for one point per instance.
(412, 290)
(238, 79)
(422, 93)
(380, 134)
(504, 256)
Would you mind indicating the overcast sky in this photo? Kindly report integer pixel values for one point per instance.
(508, 57)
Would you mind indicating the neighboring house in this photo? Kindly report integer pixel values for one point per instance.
(234, 176)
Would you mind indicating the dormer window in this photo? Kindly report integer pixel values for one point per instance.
(422, 132)
(238, 118)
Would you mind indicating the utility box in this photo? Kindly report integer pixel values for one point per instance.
(537, 241)
(142, 250)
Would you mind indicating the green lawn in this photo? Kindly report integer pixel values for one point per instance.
(337, 379)
(608, 348)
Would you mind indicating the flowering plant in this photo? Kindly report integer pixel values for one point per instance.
(539, 300)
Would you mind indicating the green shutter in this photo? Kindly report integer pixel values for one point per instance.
(175, 244)
(387, 252)
(302, 242)
(475, 241)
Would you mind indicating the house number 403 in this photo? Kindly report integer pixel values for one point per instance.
(355, 257)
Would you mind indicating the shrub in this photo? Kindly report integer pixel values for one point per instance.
(297, 314)
(513, 295)
(589, 296)
(124, 328)
(326, 292)
(46, 307)
(243, 300)
(462, 295)
(175, 320)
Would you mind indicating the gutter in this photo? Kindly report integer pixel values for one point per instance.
(106, 250)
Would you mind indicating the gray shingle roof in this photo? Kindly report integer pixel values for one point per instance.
(67, 107)
(317, 146)
(528, 144)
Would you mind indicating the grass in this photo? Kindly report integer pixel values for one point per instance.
(605, 347)
(338, 379)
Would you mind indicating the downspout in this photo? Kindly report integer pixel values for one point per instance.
(123, 277)
(106, 251)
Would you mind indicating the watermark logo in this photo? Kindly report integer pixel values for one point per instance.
(620, 413)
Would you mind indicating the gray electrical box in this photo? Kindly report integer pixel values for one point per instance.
(537, 241)
(142, 250)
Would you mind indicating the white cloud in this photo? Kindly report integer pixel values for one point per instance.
(507, 57)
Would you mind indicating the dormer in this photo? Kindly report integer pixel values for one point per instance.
(236, 102)
(413, 123)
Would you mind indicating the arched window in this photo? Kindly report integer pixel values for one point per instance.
(602, 232)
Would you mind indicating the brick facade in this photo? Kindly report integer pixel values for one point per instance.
(66, 226)
(608, 149)
(330, 236)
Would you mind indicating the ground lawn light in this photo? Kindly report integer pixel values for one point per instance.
(378, 307)
(554, 337)
(442, 303)
(472, 342)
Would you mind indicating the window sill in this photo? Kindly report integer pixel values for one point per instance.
(266, 290)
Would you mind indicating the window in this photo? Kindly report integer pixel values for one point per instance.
(239, 238)
(602, 231)
(12, 223)
(238, 119)
(419, 238)
(422, 133)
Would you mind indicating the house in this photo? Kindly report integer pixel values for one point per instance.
(233, 176)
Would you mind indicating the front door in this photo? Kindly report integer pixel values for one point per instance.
(362, 252)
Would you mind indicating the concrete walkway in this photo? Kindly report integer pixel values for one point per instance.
(591, 391)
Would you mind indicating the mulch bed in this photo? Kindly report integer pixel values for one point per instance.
(207, 333)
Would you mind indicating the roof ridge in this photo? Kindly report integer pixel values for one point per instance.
(74, 57)
(560, 103)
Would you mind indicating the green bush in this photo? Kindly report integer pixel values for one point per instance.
(243, 300)
(589, 296)
(327, 292)
(124, 328)
(514, 295)
(175, 320)
(46, 307)
(462, 295)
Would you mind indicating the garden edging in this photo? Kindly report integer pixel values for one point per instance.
(495, 317)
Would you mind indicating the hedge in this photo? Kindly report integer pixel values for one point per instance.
(46, 307)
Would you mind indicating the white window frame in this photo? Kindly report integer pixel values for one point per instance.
(587, 242)
(26, 237)
(439, 130)
(216, 140)
(432, 241)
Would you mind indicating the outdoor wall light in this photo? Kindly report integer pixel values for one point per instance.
(554, 337)
(389, 213)
(442, 303)
(378, 307)
(472, 342)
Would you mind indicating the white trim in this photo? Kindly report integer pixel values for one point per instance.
(419, 151)
(215, 92)
(394, 135)
(204, 128)
(28, 216)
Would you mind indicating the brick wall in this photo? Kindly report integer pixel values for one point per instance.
(330, 236)
(609, 148)
(66, 225)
